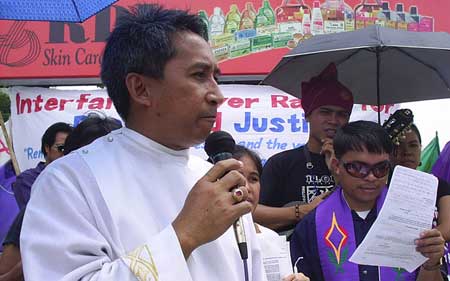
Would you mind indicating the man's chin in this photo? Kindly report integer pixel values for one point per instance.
(329, 134)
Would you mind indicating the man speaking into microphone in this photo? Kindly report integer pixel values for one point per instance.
(135, 205)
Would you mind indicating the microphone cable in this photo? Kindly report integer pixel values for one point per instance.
(245, 269)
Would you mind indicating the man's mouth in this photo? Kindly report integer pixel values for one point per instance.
(330, 132)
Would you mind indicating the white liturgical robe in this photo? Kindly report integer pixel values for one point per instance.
(104, 212)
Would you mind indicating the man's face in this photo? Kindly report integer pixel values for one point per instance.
(361, 193)
(185, 101)
(407, 154)
(325, 120)
(54, 151)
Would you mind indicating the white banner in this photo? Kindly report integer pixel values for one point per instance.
(260, 117)
(4, 151)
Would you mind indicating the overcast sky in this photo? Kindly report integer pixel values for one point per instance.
(431, 116)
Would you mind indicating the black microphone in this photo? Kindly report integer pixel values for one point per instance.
(220, 146)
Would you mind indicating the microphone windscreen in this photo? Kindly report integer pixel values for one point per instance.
(219, 142)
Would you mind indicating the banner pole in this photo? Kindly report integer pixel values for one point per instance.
(9, 144)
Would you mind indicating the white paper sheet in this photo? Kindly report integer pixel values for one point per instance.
(277, 259)
(407, 211)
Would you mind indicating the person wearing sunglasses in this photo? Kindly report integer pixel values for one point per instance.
(362, 151)
(84, 133)
(52, 147)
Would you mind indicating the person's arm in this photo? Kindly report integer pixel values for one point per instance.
(269, 213)
(444, 217)
(208, 210)
(21, 188)
(69, 236)
(431, 245)
(276, 218)
(10, 264)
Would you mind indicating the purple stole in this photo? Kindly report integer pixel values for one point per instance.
(336, 241)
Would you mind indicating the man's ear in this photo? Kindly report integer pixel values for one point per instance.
(47, 149)
(335, 165)
(307, 117)
(139, 88)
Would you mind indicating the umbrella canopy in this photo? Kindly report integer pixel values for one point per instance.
(379, 65)
(52, 10)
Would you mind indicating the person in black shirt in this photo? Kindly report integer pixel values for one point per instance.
(293, 182)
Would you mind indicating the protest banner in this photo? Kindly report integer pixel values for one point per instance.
(259, 117)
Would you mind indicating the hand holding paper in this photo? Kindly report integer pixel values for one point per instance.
(406, 214)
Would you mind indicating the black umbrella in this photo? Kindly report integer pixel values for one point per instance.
(52, 10)
(379, 65)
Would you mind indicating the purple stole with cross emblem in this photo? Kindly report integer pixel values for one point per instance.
(336, 241)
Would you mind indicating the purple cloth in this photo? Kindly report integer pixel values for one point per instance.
(336, 241)
(8, 205)
(441, 168)
(24, 181)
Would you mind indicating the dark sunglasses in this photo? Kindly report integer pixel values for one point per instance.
(60, 147)
(361, 170)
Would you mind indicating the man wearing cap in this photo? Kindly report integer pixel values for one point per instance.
(294, 182)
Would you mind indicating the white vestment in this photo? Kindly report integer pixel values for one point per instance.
(104, 212)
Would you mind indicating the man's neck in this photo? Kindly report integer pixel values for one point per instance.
(356, 206)
(313, 145)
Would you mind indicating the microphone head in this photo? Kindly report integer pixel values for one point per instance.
(218, 143)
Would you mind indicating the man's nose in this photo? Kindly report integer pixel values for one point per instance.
(333, 118)
(371, 177)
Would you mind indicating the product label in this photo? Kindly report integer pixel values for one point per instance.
(391, 24)
(262, 42)
(334, 26)
(241, 48)
(245, 34)
(402, 25)
(221, 40)
(349, 25)
(413, 26)
(426, 24)
(280, 40)
(292, 27)
(266, 30)
(221, 53)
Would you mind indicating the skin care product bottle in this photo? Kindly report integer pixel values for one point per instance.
(317, 19)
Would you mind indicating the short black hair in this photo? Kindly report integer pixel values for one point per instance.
(240, 151)
(142, 42)
(48, 138)
(360, 135)
(88, 130)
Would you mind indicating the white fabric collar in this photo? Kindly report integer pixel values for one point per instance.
(147, 143)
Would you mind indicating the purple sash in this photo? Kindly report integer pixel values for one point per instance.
(336, 241)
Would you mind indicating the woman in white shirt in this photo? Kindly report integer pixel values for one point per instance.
(252, 170)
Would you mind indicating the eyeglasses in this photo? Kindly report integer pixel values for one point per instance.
(361, 170)
(59, 147)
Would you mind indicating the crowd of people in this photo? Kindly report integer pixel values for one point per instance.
(131, 203)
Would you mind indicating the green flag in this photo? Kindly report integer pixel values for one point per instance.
(429, 155)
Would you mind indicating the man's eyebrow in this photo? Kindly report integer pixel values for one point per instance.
(201, 65)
